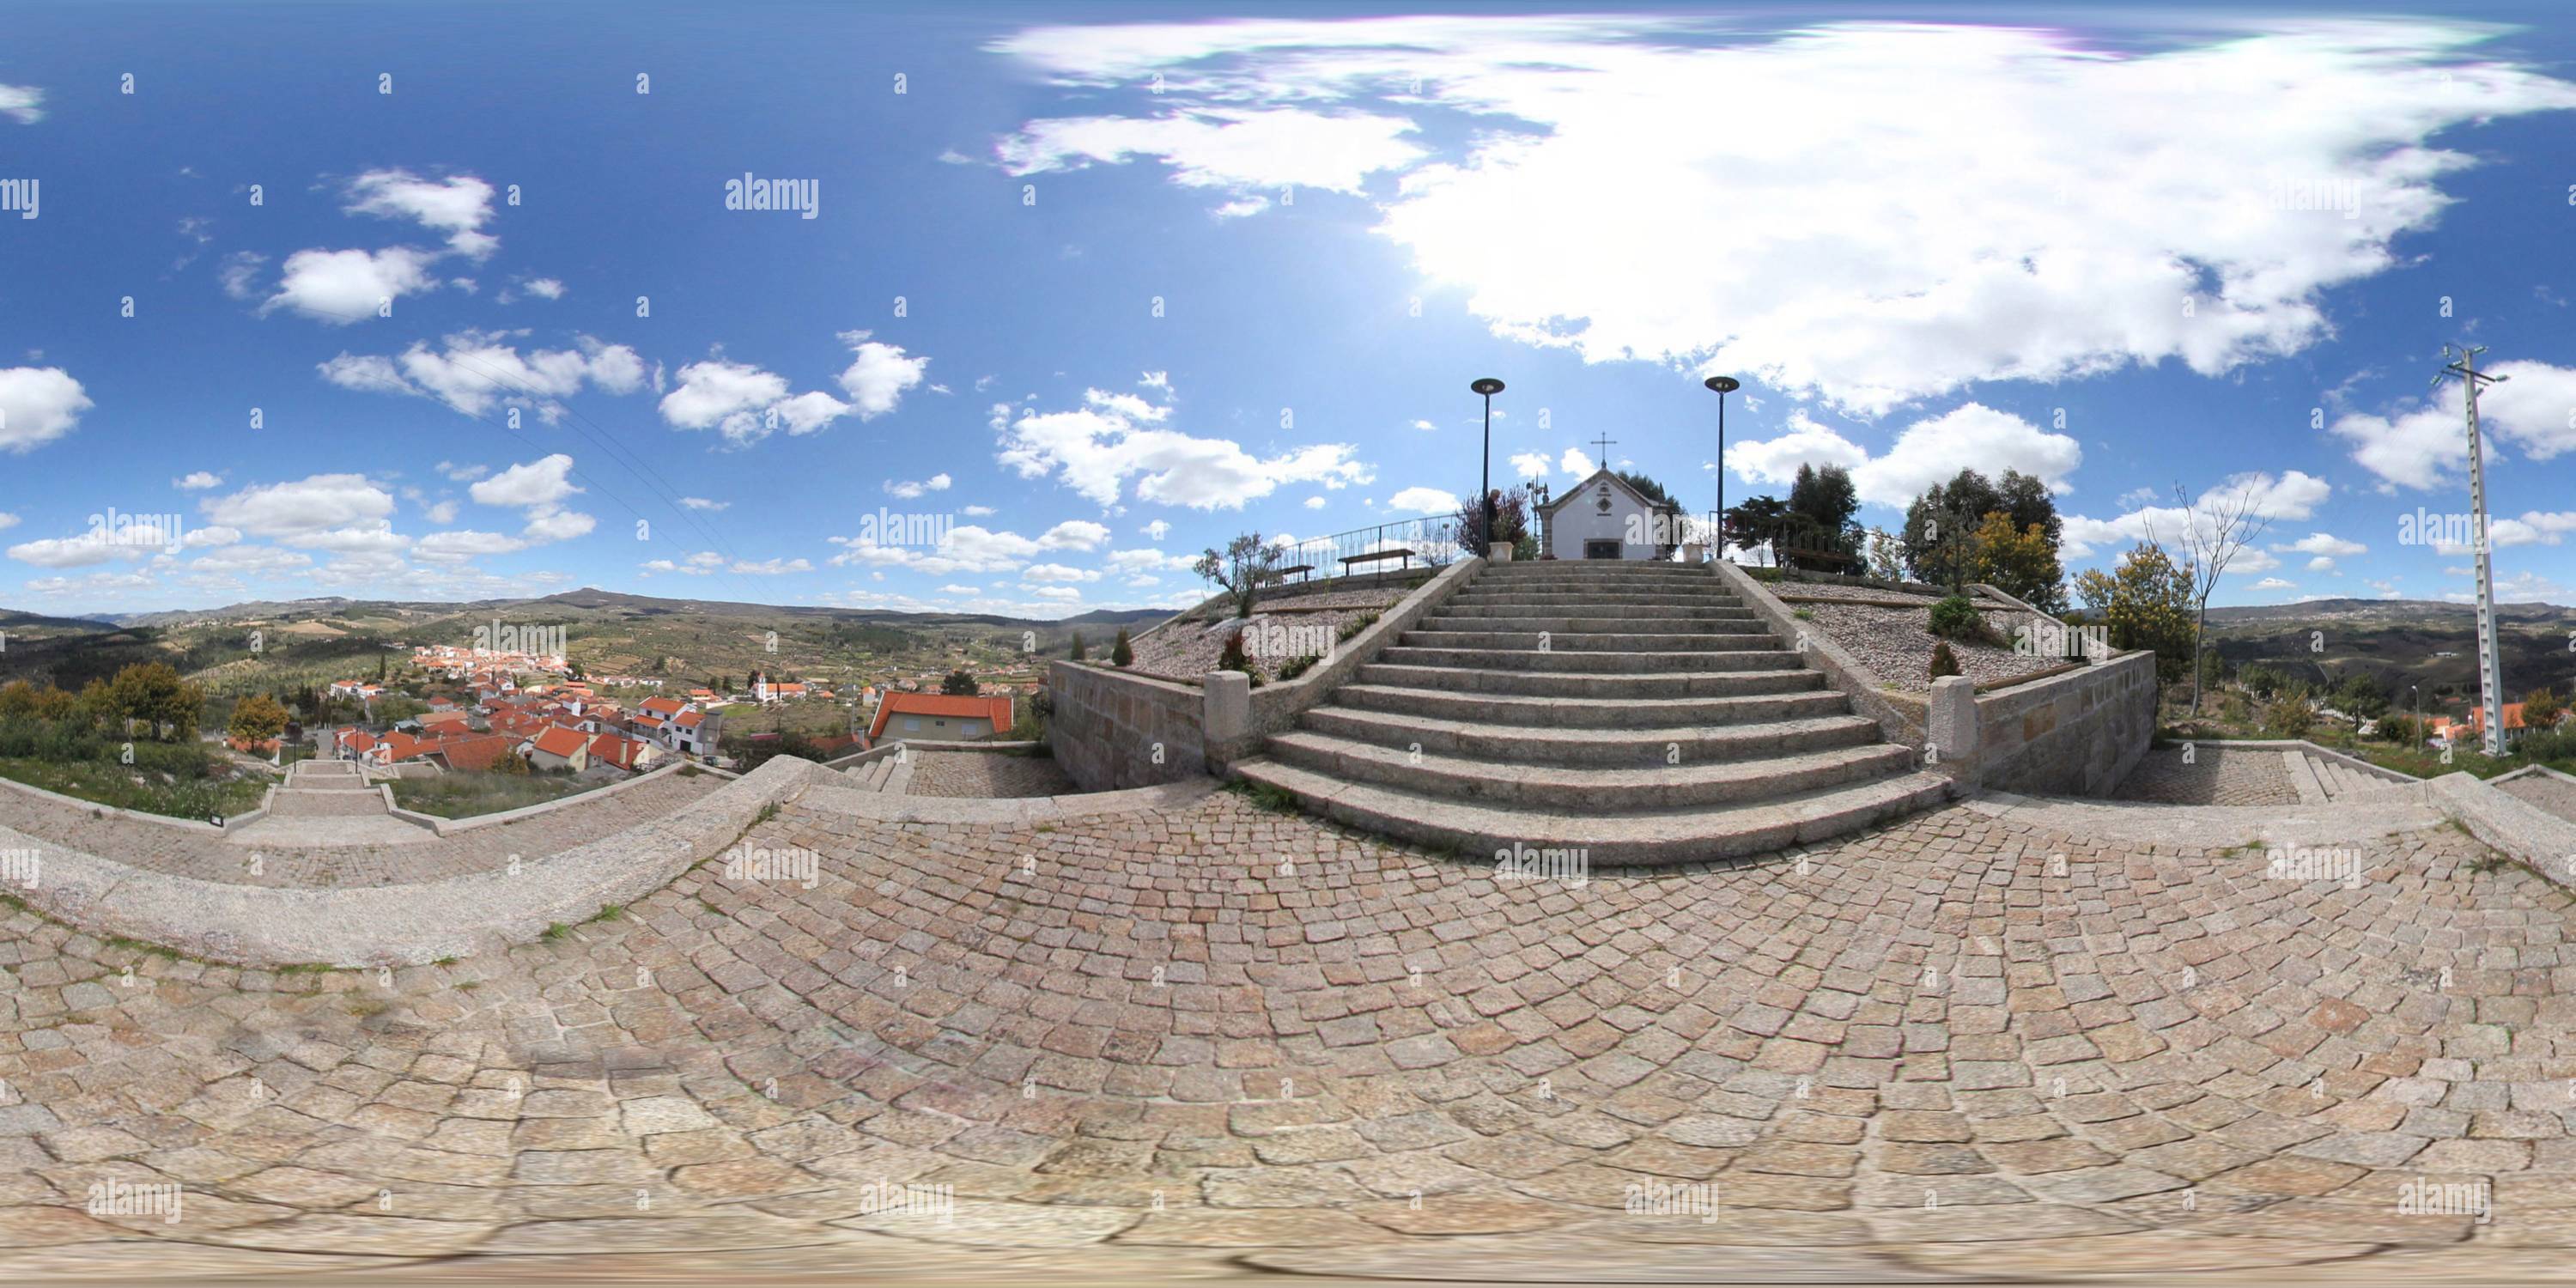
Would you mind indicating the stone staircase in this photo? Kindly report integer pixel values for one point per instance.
(2318, 779)
(887, 775)
(327, 803)
(1636, 711)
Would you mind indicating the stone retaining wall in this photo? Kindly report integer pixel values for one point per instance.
(1115, 729)
(452, 826)
(2076, 734)
(398, 924)
(1903, 718)
(1273, 708)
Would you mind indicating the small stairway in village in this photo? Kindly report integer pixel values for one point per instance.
(1638, 712)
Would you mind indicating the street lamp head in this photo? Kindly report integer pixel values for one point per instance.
(1723, 384)
(1487, 386)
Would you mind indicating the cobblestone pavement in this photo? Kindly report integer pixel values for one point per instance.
(1219, 1041)
(209, 857)
(2216, 776)
(990, 774)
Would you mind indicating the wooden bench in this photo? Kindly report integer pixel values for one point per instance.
(1834, 558)
(1282, 573)
(1377, 556)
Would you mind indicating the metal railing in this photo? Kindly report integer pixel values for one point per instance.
(1432, 539)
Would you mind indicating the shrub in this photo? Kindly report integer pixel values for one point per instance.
(2556, 744)
(1299, 665)
(1956, 618)
(1076, 654)
(1354, 626)
(1120, 651)
(1231, 658)
(2287, 716)
(1944, 662)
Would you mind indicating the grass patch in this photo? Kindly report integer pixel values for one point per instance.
(607, 912)
(1804, 614)
(556, 932)
(1277, 800)
(112, 784)
(465, 795)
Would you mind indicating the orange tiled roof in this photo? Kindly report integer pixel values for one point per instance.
(560, 741)
(996, 710)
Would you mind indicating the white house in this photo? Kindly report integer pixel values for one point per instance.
(1605, 518)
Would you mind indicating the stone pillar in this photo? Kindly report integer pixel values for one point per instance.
(1226, 713)
(1952, 730)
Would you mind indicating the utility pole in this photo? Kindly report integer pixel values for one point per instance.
(2463, 362)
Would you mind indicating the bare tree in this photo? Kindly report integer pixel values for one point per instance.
(2215, 529)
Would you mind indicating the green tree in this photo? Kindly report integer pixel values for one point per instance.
(2145, 602)
(2541, 709)
(1941, 525)
(258, 718)
(1248, 564)
(1756, 523)
(17, 701)
(1075, 653)
(152, 694)
(1121, 652)
(960, 683)
(2021, 562)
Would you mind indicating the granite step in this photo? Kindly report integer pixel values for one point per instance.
(1610, 623)
(301, 802)
(1657, 609)
(1560, 788)
(1604, 748)
(1579, 684)
(1591, 712)
(1477, 832)
(1591, 641)
(1772, 657)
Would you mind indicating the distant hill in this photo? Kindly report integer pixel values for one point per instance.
(2423, 611)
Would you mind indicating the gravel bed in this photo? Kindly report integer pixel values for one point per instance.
(1189, 650)
(1896, 644)
(1836, 590)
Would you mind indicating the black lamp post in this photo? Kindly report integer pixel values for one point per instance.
(1724, 385)
(1488, 386)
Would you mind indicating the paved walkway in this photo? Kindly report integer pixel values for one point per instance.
(327, 804)
(1216, 1039)
(986, 774)
(312, 850)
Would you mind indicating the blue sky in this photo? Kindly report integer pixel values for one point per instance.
(1164, 278)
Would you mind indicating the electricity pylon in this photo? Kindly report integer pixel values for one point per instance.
(2463, 362)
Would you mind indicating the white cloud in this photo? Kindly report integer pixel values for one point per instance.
(1423, 500)
(2274, 583)
(959, 590)
(540, 488)
(1140, 561)
(1065, 593)
(457, 206)
(345, 286)
(1316, 503)
(24, 104)
(966, 548)
(1073, 534)
(37, 406)
(456, 546)
(2325, 543)
(878, 374)
(1530, 465)
(197, 481)
(2292, 496)
(1576, 464)
(2088, 185)
(317, 503)
(2425, 443)
(473, 371)
(1056, 572)
(7, 520)
(909, 490)
(544, 288)
(770, 567)
(1156, 530)
(1094, 451)
(1225, 148)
